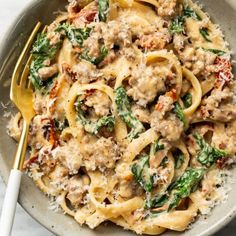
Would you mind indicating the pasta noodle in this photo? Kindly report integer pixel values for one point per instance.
(134, 113)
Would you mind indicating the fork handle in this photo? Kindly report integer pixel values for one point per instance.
(13, 185)
(10, 201)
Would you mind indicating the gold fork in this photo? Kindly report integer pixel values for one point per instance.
(21, 94)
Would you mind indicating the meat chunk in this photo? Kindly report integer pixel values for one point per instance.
(80, 18)
(58, 172)
(53, 36)
(166, 7)
(141, 113)
(170, 126)
(165, 104)
(217, 97)
(47, 72)
(179, 41)
(218, 106)
(197, 60)
(226, 138)
(145, 83)
(226, 113)
(101, 154)
(114, 33)
(85, 72)
(100, 102)
(77, 187)
(155, 40)
(69, 154)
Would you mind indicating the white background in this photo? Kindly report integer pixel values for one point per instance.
(24, 225)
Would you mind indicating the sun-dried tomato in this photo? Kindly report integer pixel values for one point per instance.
(223, 72)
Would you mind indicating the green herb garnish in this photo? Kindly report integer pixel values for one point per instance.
(177, 26)
(215, 51)
(188, 12)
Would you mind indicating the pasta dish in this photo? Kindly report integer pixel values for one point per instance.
(135, 115)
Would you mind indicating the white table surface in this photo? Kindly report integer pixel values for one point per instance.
(24, 224)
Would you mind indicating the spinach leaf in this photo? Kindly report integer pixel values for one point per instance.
(215, 51)
(108, 121)
(189, 12)
(124, 111)
(179, 158)
(76, 36)
(94, 127)
(156, 146)
(184, 186)
(141, 173)
(156, 202)
(94, 60)
(181, 188)
(178, 110)
(36, 64)
(103, 8)
(42, 51)
(187, 100)
(207, 155)
(205, 34)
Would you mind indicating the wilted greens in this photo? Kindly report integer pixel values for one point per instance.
(94, 60)
(42, 51)
(215, 51)
(177, 26)
(141, 173)
(178, 110)
(103, 8)
(76, 36)
(207, 155)
(94, 127)
(205, 34)
(181, 188)
(187, 100)
(179, 158)
(124, 111)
